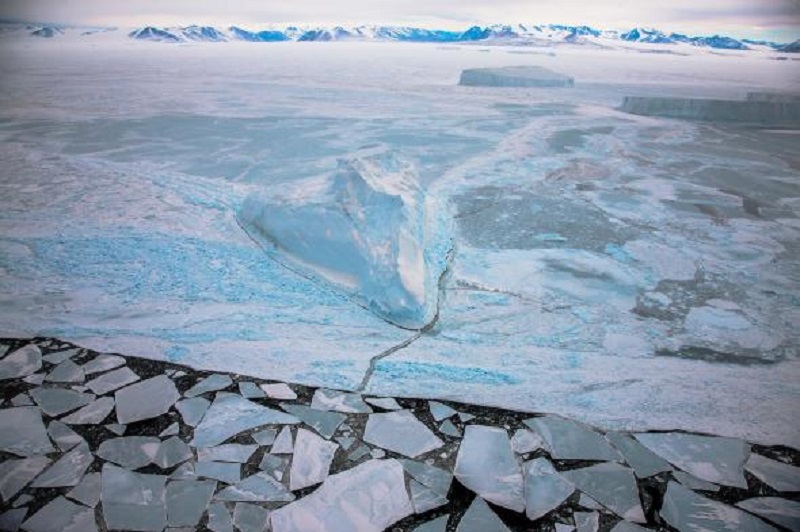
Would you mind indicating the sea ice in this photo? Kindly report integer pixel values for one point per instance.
(782, 512)
(108, 382)
(369, 497)
(694, 483)
(172, 430)
(349, 403)
(283, 442)
(212, 383)
(401, 432)
(16, 474)
(714, 459)
(229, 452)
(67, 372)
(219, 518)
(63, 436)
(227, 472)
(68, 470)
(435, 525)
(587, 521)
(686, 510)
(424, 498)
(386, 403)
(172, 452)
(570, 440)
(777, 475)
(21, 362)
(231, 414)
(192, 410)
(249, 390)
(449, 429)
(266, 437)
(87, 492)
(250, 517)
(146, 399)
(440, 411)
(312, 460)
(261, 487)
(525, 441)
(613, 486)
(132, 501)
(368, 229)
(91, 414)
(103, 362)
(61, 515)
(487, 465)
(324, 422)
(480, 518)
(187, 500)
(279, 391)
(545, 488)
(429, 476)
(12, 519)
(514, 76)
(29, 436)
(130, 452)
(274, 465)
(644, 462)
(56, 401)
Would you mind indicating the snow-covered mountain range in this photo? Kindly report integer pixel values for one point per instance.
(521, 34)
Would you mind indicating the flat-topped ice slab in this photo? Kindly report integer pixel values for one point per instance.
(763, 112)
(514, 76)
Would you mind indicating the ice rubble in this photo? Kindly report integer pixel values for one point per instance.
(514, 76)
(368, 229)
(754, 111)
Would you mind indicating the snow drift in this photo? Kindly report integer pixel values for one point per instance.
(368, 229)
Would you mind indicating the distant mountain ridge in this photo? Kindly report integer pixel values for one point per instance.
(494, 34)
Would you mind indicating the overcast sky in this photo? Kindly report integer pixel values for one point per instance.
(770, 18)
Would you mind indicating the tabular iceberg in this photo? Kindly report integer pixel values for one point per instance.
(514, 76)
(757, 110)
(368, 229)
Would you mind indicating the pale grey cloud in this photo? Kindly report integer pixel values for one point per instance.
(732, 16)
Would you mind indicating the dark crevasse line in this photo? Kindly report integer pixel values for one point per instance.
(373, 363)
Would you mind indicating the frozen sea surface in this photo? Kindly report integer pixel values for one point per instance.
(631, 272)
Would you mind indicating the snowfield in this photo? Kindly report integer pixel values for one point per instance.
(629, 271)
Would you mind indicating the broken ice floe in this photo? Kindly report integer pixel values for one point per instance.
(376, 486)
(21, 362)
(187, 500)
(231, 414)
(324, 422)
(782, 512)
(480, 518)
(367, 229)
(515, 76)
(401, 432)
(777, 475)
(312, 460)
(714, 459)
(686, 510)
(16, 474)
(133, 501)
(569, 440)
(146, 399)
(261, 487)
(351, 403)
(61, 515)
(613, 486)
(545, 488)
(487, 465)
(28, 436)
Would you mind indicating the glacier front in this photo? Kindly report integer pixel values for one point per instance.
(368, 229)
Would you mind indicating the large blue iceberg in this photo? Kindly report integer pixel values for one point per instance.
(368, 229)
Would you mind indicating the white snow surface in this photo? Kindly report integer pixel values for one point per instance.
(626, 271)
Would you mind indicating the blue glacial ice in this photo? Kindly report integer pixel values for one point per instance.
(369, 229)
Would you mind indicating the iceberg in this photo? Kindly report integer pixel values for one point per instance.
(514, 76)
(368, 229)
(752, 111)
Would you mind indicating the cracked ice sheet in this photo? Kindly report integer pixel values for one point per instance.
(538, 345)
(106, 167)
